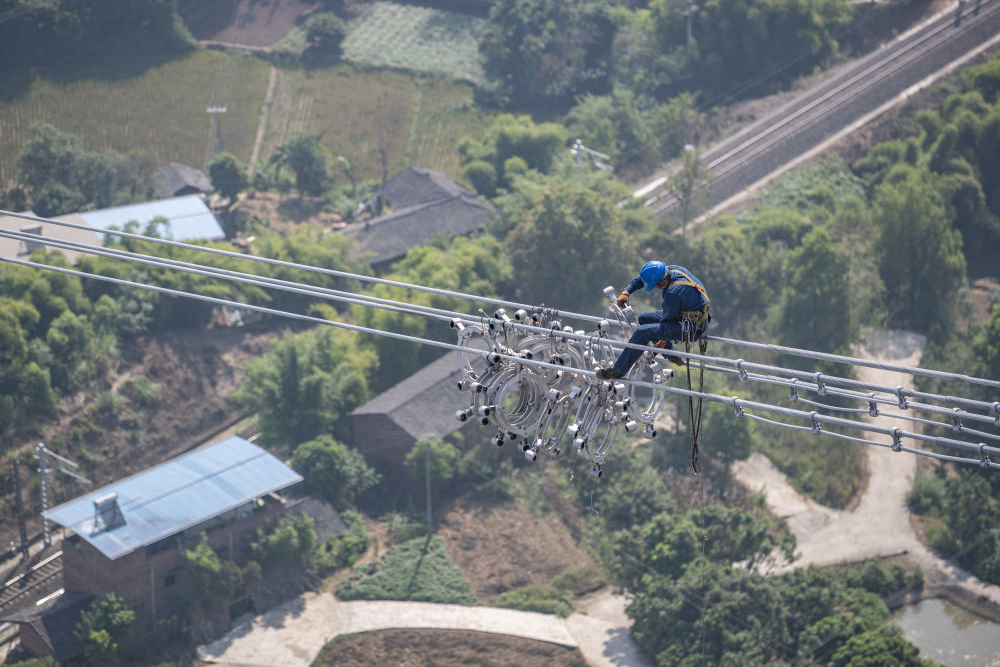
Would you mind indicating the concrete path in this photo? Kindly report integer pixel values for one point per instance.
(879, 526)
(293, 634)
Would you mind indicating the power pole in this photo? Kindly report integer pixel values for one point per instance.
(215, 111)
(19, 509)
(43, 485)
(427, 480)
(691, 9)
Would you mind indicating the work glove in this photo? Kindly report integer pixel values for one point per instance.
(622, 300)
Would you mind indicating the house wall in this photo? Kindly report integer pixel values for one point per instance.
(152, 579)
(379, 437)
(32, 641)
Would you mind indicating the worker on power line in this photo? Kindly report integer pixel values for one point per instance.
(684, 314)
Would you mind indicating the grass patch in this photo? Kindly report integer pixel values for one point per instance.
(831, 475)
(555, 597)
(418, 38)
(418, 570)
(158, 111)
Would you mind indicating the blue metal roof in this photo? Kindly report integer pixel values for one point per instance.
(190, 219)
(175, 495)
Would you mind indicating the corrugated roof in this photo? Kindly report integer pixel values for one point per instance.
(177, 494)
(190, 219)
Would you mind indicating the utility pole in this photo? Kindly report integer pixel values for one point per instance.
(427, 480)
(41, 452)
(691, 9)
(19, 509)
(215, 111)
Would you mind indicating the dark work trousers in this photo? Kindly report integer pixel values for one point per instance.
(652, 327)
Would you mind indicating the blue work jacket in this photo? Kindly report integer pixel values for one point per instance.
(677, 297)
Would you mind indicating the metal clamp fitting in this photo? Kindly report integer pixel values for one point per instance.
(820, 386)
(901, 395)
(739, 368)
(984, 459)
(956, 419)
(793, 391)
(737, 407)
(897, 437)
(816, 430)
(872, 405)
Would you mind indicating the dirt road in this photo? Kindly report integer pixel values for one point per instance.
(879, 525)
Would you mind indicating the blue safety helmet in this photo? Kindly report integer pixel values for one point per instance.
(652, 273)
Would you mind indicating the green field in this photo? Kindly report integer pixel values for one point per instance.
(160, 111)
(418, 38)
(416, 120)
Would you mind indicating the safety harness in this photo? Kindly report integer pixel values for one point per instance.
(693, 325)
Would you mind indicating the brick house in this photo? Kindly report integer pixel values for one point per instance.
(129, 537)
(422, 405)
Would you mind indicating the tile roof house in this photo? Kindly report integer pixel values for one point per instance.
(422, 405)
(176, 180)
(426, 204)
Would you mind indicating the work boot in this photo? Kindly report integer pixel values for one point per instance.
(608, 374)
(675, 360)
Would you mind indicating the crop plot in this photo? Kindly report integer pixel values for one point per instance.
(417, 38)
(159, 112)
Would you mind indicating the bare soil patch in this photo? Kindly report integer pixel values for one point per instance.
(446, 647)
(502, 547)
(283, 212)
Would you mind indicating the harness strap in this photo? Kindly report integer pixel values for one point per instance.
(694, 416)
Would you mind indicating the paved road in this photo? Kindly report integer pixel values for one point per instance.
(293, 634)
(879, 526)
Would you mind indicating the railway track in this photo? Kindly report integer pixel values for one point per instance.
(31, 586)
(841, 99)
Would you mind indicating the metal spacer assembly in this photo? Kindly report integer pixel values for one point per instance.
(820, 385)
(897, 436)
(739, 368)
(956, 420)
(901, 395)
(793, 391)
(984, 459)
(815, 423)
(872, 405)
(737, 407)
(996, 412)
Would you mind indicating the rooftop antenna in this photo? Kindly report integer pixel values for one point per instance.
(43, 471)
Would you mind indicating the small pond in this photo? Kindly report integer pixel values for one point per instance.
(950, 635)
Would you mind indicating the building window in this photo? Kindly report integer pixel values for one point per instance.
(169, 580)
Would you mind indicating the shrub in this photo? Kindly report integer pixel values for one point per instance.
(543, 598)
(926, 495)
(419, 570)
